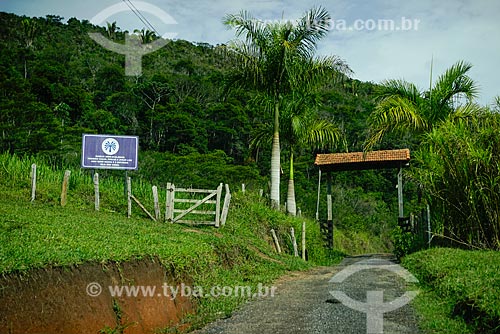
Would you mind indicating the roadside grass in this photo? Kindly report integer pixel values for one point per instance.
(43, 234)
(460, 290)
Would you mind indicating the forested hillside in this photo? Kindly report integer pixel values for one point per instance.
(194, 126)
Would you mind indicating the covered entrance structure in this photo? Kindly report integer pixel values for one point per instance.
(335, 162)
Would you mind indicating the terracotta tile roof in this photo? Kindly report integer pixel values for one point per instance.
(360, 160)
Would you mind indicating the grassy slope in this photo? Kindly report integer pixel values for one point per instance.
(459, 290)
(42, 233)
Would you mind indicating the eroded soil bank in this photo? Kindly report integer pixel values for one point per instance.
(66, 300)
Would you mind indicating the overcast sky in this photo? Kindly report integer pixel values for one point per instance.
(446, 30)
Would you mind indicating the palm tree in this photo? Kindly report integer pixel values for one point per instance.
(300, 128)
(403, 107)
(146, 35)
(111, 30)
(267, 57)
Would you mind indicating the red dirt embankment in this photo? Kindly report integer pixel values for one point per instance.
(56, 300)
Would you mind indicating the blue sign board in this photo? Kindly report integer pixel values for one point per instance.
(109, 151)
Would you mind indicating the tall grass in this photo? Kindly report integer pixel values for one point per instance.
(459, 170)
(16, 179)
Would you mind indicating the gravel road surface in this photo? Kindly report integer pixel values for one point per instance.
(303, 302)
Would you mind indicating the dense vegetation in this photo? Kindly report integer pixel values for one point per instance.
(197, 126)
(459, 291)
(57, 83)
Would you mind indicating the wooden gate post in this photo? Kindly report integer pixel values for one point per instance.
(225, 207)
(217, 205)
(169, 203)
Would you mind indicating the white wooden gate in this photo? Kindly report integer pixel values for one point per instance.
(192, 208)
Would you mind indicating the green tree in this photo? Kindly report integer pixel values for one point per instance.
(112, 29)
(300, 128)
(267, 57)
(402, 107)
(146, 35)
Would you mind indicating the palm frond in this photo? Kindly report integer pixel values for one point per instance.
(400, 88)
(246, 25)
(312, 27)
(394, 113)
(466, 113)
(454, 81)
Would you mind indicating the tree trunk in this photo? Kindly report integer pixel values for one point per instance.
(291, 206)
(275, 162)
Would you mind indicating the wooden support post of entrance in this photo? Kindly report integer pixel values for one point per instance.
(276, 242)
(400, 192)
(156, 203)
(33, 182)
(96, 192)
(329, 210)
(319, 191)
(129, 197)
(64, 191)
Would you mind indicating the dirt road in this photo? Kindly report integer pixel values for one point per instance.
(304, 302)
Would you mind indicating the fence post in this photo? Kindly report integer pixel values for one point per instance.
(96, 191)
(276, 242)
(169, 204)
(243, 188)
(33, 182)
(217, 205)
(261, 192)
(64, 191)
(304, 241)
(129, 197)
(156, 204)
(294, 242)
(225, 207)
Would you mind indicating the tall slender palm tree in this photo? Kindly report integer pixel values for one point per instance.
(267, 57)
(403, 107)
(300, 128)
(30, 29)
